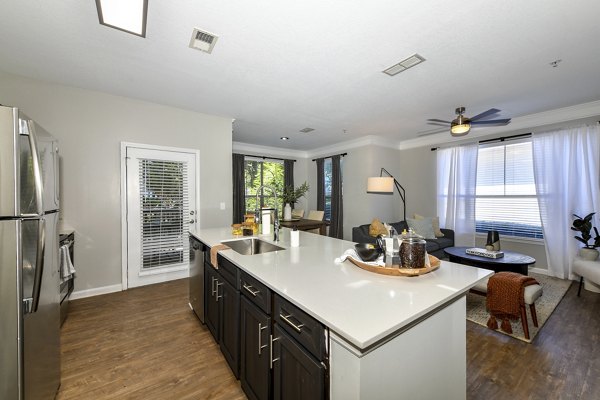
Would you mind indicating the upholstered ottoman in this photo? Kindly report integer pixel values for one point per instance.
(590, 270)
(530, 295)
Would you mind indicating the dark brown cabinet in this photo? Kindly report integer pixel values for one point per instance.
(223, 310)
(297, 375)
(255, 372)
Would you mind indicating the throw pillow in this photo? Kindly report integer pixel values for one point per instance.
(376, 228)
(422, 227)
(436, 225)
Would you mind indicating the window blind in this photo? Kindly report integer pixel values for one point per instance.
(164, 206)
(506, 197)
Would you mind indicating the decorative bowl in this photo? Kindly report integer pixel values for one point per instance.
(367, 251)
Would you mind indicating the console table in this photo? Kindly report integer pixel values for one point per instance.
(511, 262)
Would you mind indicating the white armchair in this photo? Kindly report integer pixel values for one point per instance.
(590, 270)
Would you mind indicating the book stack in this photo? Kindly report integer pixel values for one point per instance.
(484, 253)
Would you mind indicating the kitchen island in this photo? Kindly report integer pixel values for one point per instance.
(387, 337)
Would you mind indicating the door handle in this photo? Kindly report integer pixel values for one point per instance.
(218, 284)
(39, 268)
(213, 291)
(271, 360)
(37, 171)
(260, 345)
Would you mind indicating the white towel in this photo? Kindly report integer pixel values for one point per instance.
(354, 255)
(66, 265)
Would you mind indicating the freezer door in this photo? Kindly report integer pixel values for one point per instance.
(10, 310)
(30, 187)
(8, 161)
(41, 332)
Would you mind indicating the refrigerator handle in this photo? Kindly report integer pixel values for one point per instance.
(39, 264)
(37, 169)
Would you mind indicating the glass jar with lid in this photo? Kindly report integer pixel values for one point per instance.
(412, 250)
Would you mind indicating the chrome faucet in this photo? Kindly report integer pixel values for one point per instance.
(257, 216)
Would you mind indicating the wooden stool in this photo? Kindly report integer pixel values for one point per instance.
(530, 295)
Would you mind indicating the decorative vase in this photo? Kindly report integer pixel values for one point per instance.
(287, 212)
(588, 254)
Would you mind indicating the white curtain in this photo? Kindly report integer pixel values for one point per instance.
(456, 187)
(567, 178)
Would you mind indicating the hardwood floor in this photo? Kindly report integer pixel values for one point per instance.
(146, 343)
(563, 362)
(143, 343)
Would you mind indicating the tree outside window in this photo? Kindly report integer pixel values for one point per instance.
(258, 173)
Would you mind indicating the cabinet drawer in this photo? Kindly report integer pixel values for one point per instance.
(305, 329)
(256, 292)
(229, 271)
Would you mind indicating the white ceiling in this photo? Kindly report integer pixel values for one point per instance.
(282, 65)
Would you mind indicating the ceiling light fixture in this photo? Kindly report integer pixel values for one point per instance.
(284, 138)
(125, 15)
(461, 125)
(403, 65)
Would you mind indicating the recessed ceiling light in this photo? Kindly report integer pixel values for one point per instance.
(284, 138)
(404, 65)
(306, 130)
(126, 15)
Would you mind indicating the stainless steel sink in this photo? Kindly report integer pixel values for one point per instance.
(251, 246)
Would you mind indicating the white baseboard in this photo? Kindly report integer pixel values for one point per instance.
(80, 294)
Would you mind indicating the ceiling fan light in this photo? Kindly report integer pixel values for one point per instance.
(459, 129)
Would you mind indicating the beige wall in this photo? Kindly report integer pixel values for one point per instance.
(90, 126)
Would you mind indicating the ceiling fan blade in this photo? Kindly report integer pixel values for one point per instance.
(485, 114)
(438, 120)
(438, 124)
(492, 122)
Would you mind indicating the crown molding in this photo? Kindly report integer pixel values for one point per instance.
(258, 150)
(352, 144)
(531, 121)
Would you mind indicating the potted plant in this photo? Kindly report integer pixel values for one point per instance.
(584, 225)
(290, 196)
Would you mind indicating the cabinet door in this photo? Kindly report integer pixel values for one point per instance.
(255, 373)
(229, 314)
(297, 375)
(212, 307)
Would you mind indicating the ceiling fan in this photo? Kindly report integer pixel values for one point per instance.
(461, 125)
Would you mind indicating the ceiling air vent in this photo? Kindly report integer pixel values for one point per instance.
(203, 41)
(404, 65)
(306, 130)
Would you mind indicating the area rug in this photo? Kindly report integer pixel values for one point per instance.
(553, 291)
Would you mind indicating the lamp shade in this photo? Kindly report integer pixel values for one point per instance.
(380, 184)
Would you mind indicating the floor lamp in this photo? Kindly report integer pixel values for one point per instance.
(385, 185)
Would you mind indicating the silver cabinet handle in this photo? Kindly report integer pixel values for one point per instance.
(249, 290)
(298, 328)
(260, 345)
(218, 284)
(213, 291)
(271, 360)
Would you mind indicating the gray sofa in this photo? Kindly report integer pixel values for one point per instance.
(435, 247)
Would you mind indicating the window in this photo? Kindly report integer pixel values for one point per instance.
(327, 167)
(258, 172)
(506, 196)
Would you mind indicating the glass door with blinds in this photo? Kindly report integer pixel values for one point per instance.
(161, 208)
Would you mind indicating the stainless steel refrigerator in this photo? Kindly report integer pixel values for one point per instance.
(29, 270)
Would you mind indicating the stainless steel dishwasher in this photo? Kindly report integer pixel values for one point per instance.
(197, 276)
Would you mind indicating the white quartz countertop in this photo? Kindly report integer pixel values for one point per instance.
(360, 306)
